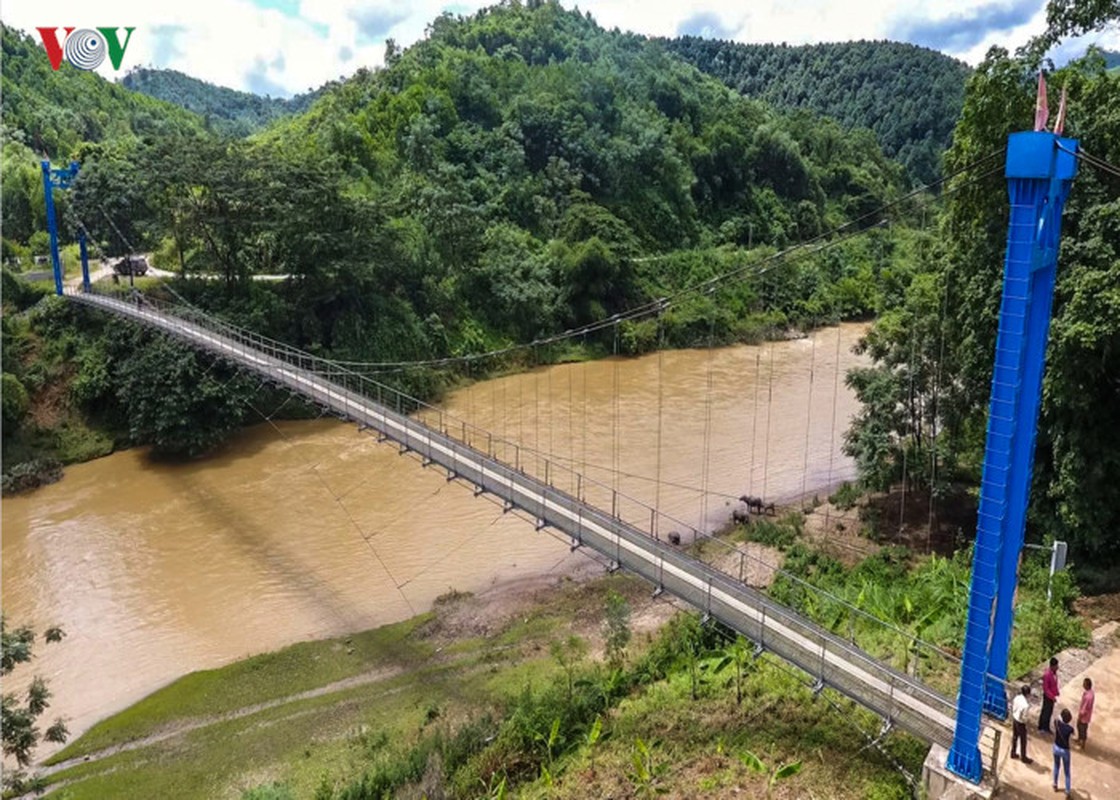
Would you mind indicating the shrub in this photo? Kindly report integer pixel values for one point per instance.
(780, 534)
(15, 402)
(268, 791)
(845, 497)
(31, 475)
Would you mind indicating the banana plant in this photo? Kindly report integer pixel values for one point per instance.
(736, 654)
(647, 773)
(780, 773)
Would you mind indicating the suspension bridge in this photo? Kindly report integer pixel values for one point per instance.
(900, 698)
(552, 493)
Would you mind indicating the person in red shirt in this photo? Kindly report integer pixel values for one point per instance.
(1085, 713)
(1049, 695)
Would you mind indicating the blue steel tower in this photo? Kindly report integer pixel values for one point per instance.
(52, 178)
(1040, 170)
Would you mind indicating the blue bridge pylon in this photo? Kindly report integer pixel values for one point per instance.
(1040, 170)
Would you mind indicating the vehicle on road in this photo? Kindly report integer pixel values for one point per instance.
(131, 265)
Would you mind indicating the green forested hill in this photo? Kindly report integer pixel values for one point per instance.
(540, 119)
(225, 110)
(57, 114)
(56, 111)
(517, 172)
(909, 96)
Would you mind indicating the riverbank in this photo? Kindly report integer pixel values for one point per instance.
(318, 716)
(505, 687)
(308, 529)
(79, 386)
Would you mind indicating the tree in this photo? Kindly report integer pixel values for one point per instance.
(736, 654)
(1066, 18)
(568, 653)
(171, 398)
(18, 718)
(15, 403)
(900, 396)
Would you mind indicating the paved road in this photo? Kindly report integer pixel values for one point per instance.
(104, 272)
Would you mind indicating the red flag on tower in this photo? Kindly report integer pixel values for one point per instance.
(1060, 122)
(1041, 109)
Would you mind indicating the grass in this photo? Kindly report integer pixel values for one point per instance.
(484, 703)
(260, 679)
(696, 745)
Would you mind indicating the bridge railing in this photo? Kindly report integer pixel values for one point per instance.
(913, 660)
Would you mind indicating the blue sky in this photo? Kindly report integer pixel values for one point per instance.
(281, 47)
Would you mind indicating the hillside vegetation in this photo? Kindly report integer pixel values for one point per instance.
(53, 112)
(518, 172)
(223, 110)
(914, 413)
(909, 96)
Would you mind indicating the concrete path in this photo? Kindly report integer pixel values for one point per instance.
(1096, 769)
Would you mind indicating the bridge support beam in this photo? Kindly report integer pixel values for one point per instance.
(1039, 174)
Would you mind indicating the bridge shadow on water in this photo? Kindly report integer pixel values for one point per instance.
(240, 526)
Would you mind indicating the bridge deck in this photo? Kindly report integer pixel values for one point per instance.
(903, 700)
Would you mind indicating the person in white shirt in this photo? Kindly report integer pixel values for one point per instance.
(1019, 707)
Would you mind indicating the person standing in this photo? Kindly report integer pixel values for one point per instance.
(1019, 708)
(1085, 712)
(1062, 731)
(1049, 695)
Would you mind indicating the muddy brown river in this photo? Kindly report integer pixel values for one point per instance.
(311, 529)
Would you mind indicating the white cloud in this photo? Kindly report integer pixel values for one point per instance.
(292, 45)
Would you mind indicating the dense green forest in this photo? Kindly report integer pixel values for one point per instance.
(909, 96)
(226, 111)
(927, 395)
(54, 112)
(522, 170)
(519, 171)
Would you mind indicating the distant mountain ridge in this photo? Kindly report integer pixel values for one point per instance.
(54, 111)
(226, 111)
(909, 96)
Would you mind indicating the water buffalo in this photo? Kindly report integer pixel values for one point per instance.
(741, 516)
(674, 538)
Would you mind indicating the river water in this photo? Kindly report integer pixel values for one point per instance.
(309, 529)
